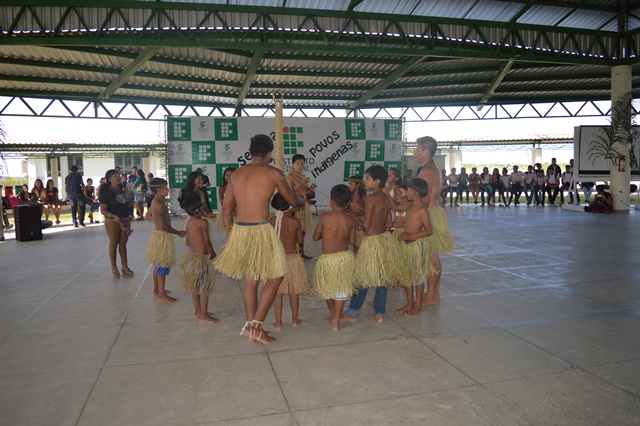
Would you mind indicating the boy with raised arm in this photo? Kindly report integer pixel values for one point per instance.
(253, 249)
(377, 260)
(441, 240)
(416, 265)
(301, 186)
(161, 250)
(197, 275)
(334, 277)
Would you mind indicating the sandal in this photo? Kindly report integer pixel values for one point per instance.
(127, 272)
(115, 272)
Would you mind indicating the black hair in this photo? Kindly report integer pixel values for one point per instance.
(402, 186)
(340, 194)
(429, 143)
(419, 185)
(358, 179)
(279, 203)
(378, 172)
(191, 180)
(74, 168)
(156, 183)
(396, 171)
(260, 146)
(140, 175)
(224, 181)
(298, 157)
(190, 202)
(105, 186)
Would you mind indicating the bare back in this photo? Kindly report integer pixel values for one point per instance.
(197, 237)
(336, 230)
(160, 214)
(377, 214)
(251, 188)
(431, 175)
(290, 233)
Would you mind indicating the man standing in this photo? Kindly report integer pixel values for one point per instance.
(253, 249)
(441, 240)
(300, 184)
(74, 186)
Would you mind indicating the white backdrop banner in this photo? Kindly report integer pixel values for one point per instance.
(335, 148)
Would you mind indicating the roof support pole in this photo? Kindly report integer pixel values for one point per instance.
(387, 81)
(620, 100)
(133, 67)
(497, 79)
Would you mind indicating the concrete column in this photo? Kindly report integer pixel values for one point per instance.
(536, 156)
(620, 86)
(54, 170)
(457, 159)
(64, 171)
(145, 166)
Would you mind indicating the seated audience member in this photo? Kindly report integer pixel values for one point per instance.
(44, 224)
(53, 202)
(5, 207)
(23, 195)
(601, 203)
(587, 189)
(90, 196)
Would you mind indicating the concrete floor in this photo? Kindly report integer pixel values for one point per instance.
(538, 324)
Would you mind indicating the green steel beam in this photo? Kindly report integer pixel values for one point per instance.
(556, 3)
(495, 82)
(153, 7)
(248, 78)
(131, 69)
(386, 82)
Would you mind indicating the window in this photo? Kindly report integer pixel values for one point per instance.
(127, 161)
(74, 159)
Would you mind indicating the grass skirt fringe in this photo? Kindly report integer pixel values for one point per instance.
(161, 249)
(377, 261)
(305, 217)
(219, 221)
(197, 274)
(359, 236)
(416, 264)
(441, 240)
(296, 280)
(335, 276)
(254, 252)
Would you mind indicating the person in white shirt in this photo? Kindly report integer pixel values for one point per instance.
(516, 186)
(453, 187)
(539, 188)
(485, 186)
(529, 180)
(553, 184)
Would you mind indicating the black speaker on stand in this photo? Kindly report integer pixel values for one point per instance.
(28, 224)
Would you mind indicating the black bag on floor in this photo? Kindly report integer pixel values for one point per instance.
(27, 219)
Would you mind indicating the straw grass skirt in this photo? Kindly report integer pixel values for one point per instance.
(441, 240)
(219, 221)
(377, 263)
(335, 276)
(296, 280)
(197, 274)
(416, 264)
(305, 217)
(254, 252)
(161, 249)
(359, 236)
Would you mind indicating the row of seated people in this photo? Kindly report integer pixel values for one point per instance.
(507, 188)
(48, 197)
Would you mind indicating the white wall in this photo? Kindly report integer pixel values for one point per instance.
(36, 169)
(93, 166)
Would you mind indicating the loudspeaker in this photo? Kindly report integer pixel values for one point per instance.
(28, 224)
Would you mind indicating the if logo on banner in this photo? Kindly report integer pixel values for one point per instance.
(393, 130)
(226, 129)
(291, 140)
(355, 129)
(179, 129)
(352, 168)
(392, 164)
(203, 153)
(178, 175)
(375, 151)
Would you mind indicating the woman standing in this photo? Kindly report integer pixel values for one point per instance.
(114, 201)
(141, 190)
(226, 177)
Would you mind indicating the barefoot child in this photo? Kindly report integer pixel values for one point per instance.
(161, 250)
(295, 282)
(416, 265)
(197, 274)
(334, 277)
(376, 263)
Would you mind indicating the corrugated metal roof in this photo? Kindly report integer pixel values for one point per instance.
(414, 51)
